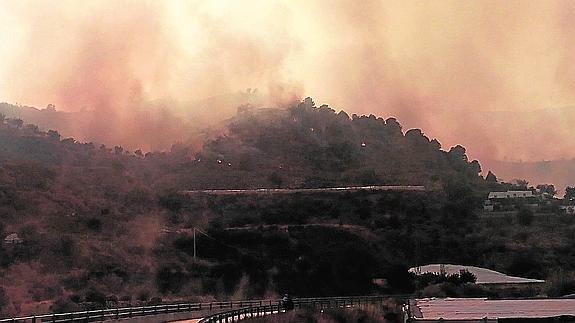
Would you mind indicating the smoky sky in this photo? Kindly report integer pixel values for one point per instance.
(495, 76)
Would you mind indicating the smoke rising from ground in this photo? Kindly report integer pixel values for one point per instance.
(443, 66)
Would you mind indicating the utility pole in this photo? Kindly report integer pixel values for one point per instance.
(207, 236)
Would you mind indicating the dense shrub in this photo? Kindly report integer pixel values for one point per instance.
(525, 216)
(170, 279)
(465, 277)
(526, 265)
(172, 201)
(561, 283)
(3, 298)
(96, 297)
(94, 224)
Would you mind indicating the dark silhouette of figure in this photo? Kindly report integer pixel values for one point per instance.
(287, 303)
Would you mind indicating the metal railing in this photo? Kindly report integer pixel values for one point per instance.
(243, 313)
(134, 311)
(231, 307)
(276, 308)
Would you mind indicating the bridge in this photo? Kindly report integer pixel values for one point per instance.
(213, 312)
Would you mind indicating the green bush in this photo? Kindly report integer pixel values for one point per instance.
(63, 305)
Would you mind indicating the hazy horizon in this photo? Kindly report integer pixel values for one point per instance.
(481, 74)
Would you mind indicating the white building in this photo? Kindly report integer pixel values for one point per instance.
(13, 239)
(488, 206)
(510, 194)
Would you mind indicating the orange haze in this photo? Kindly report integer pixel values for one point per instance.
(496, 76)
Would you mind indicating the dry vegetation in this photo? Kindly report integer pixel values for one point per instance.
(103, 226)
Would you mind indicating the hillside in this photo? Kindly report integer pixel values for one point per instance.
(104, 225)
(205, 121)
(311, 146)
(136, 128)
(308, 146)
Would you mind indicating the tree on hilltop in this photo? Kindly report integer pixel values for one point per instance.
(569, 193)
(547, 188)
(491, 178)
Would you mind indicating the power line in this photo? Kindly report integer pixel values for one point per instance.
(212, 238)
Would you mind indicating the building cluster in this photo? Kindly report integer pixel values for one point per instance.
(13, 239)
(515, 200)
(511, 200)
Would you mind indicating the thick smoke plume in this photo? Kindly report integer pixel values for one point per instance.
(496, 76)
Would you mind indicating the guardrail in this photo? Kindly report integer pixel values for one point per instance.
(318, 302)
(135, 311)
(232, 307)
(243, 313)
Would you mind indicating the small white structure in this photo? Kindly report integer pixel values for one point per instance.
(488, 206)
(510, 195)
(13, 238)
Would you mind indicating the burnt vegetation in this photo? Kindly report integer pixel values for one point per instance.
(99, 226)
